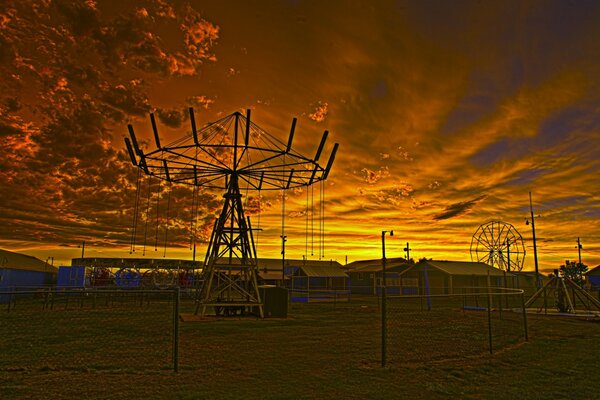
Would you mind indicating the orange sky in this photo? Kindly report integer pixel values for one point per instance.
(447, 115)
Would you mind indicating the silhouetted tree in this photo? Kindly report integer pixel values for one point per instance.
(574, 271)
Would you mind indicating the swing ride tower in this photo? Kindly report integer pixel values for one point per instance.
(224, 155)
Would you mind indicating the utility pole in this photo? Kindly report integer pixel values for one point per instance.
(407, 250)
(535, 257)
(384, 300)
(82, 248)
(579, 247)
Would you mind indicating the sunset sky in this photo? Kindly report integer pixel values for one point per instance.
(447, 114)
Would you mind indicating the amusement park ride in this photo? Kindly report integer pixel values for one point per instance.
(500, 245)
(224, 155)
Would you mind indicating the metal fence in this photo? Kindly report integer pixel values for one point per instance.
(441, 327)
(64, 329)
(96, 329)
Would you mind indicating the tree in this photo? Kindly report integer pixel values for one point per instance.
(574, 271)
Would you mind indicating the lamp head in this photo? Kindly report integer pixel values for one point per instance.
(391, 233)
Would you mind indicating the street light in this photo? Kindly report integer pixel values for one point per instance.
(283, 240)
(383, 299)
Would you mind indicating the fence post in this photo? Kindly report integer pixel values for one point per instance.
(545, 302)
(524, 317)
(176, 330)
(383, 326)
(489, 315)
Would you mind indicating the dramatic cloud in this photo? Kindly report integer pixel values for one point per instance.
(72, 74)
(447, 115)
(457, 209)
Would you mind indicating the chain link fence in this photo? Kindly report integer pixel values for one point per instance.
(441, 327)
(102, 329)
(74, 329)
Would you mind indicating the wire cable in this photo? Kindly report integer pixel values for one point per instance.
(167, 221)
(135, 212)
(157, 215)
(147, 216)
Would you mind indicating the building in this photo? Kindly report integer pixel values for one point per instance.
(593, 277)
(20, 271)
(426, 276)
(328, 282)
(447, 277)
(366, 276)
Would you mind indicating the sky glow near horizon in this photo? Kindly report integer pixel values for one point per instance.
(447, 115)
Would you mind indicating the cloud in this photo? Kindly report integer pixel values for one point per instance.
(72, 74)
(320, 112)
(200, 101)
(173, 118)
(372, 177)
(456, 209)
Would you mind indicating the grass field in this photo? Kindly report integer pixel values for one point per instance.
(321, 351)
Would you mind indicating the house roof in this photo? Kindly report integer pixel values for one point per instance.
(323, 271)
(594, 271)
(462, 267)
(275, 263)
(270, 275)
(12, 260)
(375, 264)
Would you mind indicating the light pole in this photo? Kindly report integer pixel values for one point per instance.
(283, 240)
(579, 247)
(383, 299)
(407, 250)
(535, 258)
(82, 248)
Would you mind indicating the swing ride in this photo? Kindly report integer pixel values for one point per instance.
(224, 155)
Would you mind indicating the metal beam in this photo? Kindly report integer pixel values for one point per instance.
(166, 170)
(130, 151)
(193, 122)
(290, 179)
(262, 176)
(292, 129)
(312, 176)
(235, 140)
(320, 149)
(247, 138)
(330, 162)
(134, 141)
(155, 130)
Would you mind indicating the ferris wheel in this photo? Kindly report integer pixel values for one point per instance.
(500, 245)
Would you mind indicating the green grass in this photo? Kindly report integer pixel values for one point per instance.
(321, 351)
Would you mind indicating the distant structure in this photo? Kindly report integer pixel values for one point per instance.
(500, 245)
(223, 155)
(20, 270)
